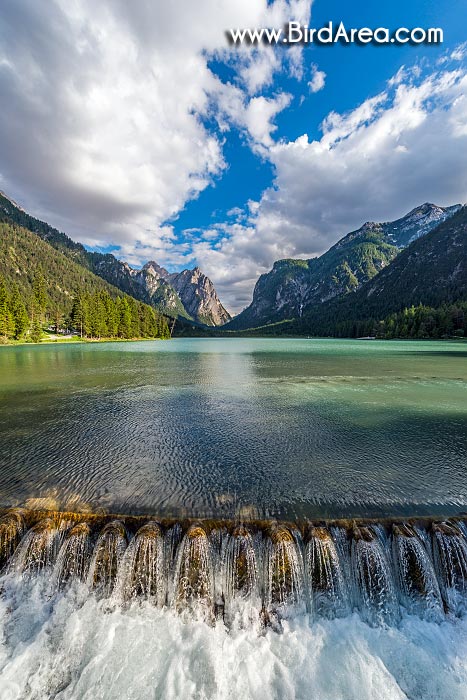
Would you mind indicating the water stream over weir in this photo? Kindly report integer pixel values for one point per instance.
(213, 569)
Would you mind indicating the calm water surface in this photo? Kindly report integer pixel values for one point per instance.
(251, 426)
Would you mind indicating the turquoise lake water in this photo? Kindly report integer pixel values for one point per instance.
(280, 428)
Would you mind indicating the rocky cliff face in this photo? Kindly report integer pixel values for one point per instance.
(199, 297)
(152, 281)
(431, 271)
(188, 294)
(294, 287)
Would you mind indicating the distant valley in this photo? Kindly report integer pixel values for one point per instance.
(188, 295)
(403, 278)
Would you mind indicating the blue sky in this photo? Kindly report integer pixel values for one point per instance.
(353, 73)
(138, 130)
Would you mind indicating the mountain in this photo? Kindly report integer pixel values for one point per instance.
(28, 262)
(199, 297)
(189, 294)
(294, 287)
(431, 273)
(22, 254)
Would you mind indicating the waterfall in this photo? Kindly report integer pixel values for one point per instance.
(328, 587)
(240, 566)
(373, 580)
(12, 528)
(38, 548)
(73, 558)
(418, 587)
(450, 557)
(107, 554)
(284, 584)
(194, 579)
(259, 571)
(142, 573)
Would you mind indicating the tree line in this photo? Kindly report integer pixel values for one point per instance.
(91, 314)
(445, 321)
(449, 320)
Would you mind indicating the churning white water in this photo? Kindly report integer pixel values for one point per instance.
(75, 646)
(255, 611)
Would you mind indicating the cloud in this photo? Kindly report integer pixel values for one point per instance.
(259, 116)
(113, 118)
(394, 151)
(318, 79)
(106, 112)
(459, 52)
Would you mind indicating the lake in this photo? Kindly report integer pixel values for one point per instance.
(261, 427)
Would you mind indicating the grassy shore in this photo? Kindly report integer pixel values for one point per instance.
(49, 339)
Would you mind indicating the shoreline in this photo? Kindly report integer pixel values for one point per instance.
(93, 341)
(74, 340)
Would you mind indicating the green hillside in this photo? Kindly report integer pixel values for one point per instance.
(294, 288)
(104, 265)
(53, 289)
(422, 293)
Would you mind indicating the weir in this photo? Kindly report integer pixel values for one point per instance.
(215, 568)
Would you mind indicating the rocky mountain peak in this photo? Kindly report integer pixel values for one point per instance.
(417, 223)
(199, 296)
(294, 287)
(189, 293)
(154, 269)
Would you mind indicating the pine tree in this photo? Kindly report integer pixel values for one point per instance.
(40, 293)
(19, 313)
(125, 320)
(36, 331)
(7, 327)
(78, 314)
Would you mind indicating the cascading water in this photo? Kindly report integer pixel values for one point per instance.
(219, 569)
(450, 557)
(194, 581)
(328, 587)
(240, 566)
(107, 555)
(73, 558)
(240, 580)
(418, 586)
(142, 572)
(284, 580)
(374, 586)
(38, 548)
(82, 595)
(12, 528)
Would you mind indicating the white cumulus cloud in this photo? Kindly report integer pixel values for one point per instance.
(318, 79)
(396, 150)
(106, 107)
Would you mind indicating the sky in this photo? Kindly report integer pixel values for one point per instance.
(136, 128)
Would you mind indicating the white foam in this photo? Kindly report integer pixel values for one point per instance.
(73, 646)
